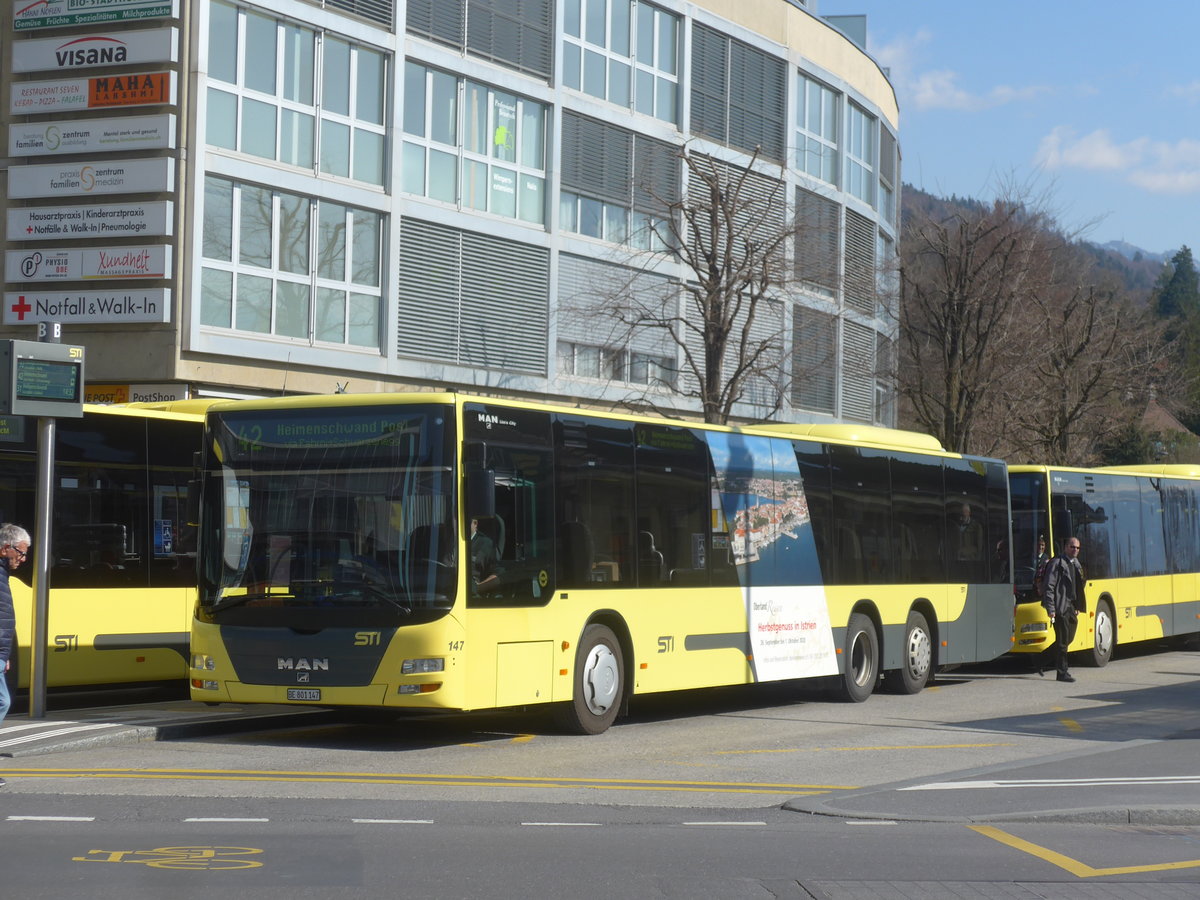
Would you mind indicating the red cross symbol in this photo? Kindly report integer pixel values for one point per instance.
(21, 307)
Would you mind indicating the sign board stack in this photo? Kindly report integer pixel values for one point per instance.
(75, 106)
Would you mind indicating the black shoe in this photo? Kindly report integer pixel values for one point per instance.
(1066, 676)
(1041, 671)
(3, 782)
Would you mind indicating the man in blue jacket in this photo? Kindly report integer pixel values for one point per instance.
(14, 547)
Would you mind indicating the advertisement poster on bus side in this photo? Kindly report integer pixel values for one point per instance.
(87, 263)
(774, 551)
(30, 15)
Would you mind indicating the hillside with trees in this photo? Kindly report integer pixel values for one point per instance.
(1021, 340)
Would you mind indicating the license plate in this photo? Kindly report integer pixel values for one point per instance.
(304, 693)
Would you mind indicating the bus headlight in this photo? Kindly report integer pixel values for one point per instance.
(201, 685)
(203, 661)
(1032, 627)
(423, 666)
(418, 688)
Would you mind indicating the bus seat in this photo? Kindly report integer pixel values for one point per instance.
(650, 559)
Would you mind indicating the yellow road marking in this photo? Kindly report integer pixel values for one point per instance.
(1071, 724)
(897, 747)
(1074, 866)
(427, 780)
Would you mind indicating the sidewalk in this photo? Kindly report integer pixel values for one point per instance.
(171, 720)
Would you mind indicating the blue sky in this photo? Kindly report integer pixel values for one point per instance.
(1094, 105)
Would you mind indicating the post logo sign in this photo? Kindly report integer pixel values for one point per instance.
(87, 51)
(154, 218)
(29, 15)
(100, 92)
(88, 307)
(127, 176)
(87, 264)
(92, 135)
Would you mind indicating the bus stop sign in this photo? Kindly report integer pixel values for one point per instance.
(41, 379)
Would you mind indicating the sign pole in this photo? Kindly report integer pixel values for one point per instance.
(49, 333)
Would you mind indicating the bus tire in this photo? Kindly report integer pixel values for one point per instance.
(860, 659)
(1104, 636)
(599, 683)
(917, 664)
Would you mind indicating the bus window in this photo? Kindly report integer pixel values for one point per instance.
(673, 529)
(1127, 513)
(966, 521)
(998, 519)
(594, 494)
(1081, 506)
(1181, 525)
(1152, 527)
(813, 460)
(861, 552)
(917, 531)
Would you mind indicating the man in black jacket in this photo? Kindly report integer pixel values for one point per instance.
(14, 547)
(1063, 599)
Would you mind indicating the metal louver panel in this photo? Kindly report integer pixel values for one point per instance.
(814, 361)
(429, 311)
(759, 211)
(656, 175)
(597, 158)
(757, 100)
(517, 33)
(858, 372)
(381, 11)
(817, 241)
(438, 20)
(505, 303)
(709, 82)
(860, 263)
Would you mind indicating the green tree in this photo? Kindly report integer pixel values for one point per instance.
(1177, 293)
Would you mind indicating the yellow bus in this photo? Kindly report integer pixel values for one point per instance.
(121, 573)
(1139, 530)
(445, 552)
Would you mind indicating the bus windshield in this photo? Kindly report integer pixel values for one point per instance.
(319, 516)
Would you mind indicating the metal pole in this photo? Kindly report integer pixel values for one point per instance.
(48, 333)
(41, 568)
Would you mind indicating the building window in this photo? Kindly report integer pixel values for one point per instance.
(738, 93)
(816, 130)
(889, 163)
(615, 364)
(616, 185)
(485, 151)
(289, 265)
(623, 51)
(860, 154)
(266, 99)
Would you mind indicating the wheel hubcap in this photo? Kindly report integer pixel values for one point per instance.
(600, 679)
(920, 653)
(1103, 633)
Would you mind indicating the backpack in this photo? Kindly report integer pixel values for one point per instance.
(1039, 578)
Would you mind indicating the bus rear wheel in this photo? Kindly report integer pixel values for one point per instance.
(1104, 634)
(917, 664)
(599, 683)
(860, 659)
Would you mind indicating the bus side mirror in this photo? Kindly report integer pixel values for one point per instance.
(193, 502)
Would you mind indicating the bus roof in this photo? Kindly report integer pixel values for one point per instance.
(859, 434)
(1161, 470)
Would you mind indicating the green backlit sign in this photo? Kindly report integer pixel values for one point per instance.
(41, 379)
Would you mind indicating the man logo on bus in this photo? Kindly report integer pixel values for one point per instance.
(287, 664)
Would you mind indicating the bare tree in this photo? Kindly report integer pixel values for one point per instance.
(965, 278)
(726, 242)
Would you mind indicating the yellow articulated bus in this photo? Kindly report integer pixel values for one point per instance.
(1139, 530)
(121, 573)
(442, 552)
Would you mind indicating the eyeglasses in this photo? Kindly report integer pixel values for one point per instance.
(21, 553)
(1072, 546)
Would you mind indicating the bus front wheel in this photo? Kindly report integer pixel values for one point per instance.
(1105, 635)
(599, 683)
(860, 659)
(917, 665)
